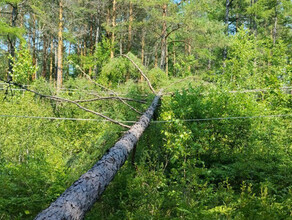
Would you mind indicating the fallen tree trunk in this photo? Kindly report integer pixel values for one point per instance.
(81, 195)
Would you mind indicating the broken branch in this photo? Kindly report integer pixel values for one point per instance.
(141, 72)
(89, 78)
(55, 98)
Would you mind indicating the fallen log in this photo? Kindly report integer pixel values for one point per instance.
(82, 194)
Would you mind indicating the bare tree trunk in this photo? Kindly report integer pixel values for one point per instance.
(189, 52)
(156, 56)
(130, 26)
(91, 44)
(34, 45)
(84, 48)
(60, 48)
(69, 53)
(44, 56)
(21, 24)
(56, 63)
(275, 29)
(121, 45)
(163, 40)
(51, 59)
(81, 195)
(113, 32)
(95, 70)
(227, 9)
(11, 42)
(142, 50)
(166, 59)
(174, 59)
(108, 21)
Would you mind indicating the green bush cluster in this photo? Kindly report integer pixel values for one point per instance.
(218, 169)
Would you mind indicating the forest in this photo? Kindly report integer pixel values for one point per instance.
(169, 109)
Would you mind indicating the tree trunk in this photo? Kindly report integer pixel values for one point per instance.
(91, 44)
(11, 42)
(81, 195)
(60, 48)
(121, 45)
(34, 45)
(130, 26)
(95, 70)
(189, 48)
(166, 59)
(275, 29)
(142, 50)
(44, 56)
(228, 2)
(174, 59)
(51, 59)
(113, 32)
(108, 21)
(163, 40)
(156, 58)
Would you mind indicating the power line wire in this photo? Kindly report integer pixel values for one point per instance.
(56, 118)
(225, 118)
(166, 121)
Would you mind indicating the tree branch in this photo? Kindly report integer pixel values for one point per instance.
(131, 107)
(229, 4)
(173, 30)
(179, 3)
(141, 72)
(112, 97)
(55, 98)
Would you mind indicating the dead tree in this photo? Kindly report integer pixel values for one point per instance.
(81, 195)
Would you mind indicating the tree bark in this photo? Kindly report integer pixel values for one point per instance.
(156, 56)
(95, 70)
(163, 40)
(81, 195)
(275, 26)
(34, 62)
(142, 50)
(113, 32)
(11, 42)
(226, 20)
(60, 48)
(130, 26)
(51, 59)
(44, 72)
(189, 53)
(108, 21)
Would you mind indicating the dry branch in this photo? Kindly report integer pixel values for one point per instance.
(141, 72)
(82, 194)
(112, 97)
(55, 98)
(89, 78)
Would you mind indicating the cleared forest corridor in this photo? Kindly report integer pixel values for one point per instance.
(79, 85)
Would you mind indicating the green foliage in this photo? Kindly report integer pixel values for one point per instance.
(23, 68)
(116, 71)
(212, 168)
(11, 31)
(39, 159)
(119, 70)
(157, 77)
(219, 169)
(255, 63)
